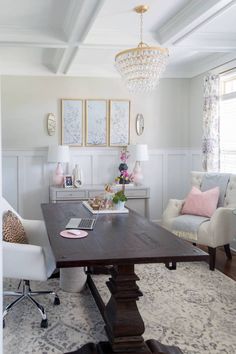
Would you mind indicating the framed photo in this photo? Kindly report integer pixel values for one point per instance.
(96, 123)
(68, 181)
(119, 122)
(72, 122)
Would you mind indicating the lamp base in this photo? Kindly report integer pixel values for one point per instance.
(137, 173)
(58, 176)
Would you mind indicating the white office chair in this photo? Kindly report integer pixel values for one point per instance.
(32, 261)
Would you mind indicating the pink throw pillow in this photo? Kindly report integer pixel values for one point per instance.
(201, 203)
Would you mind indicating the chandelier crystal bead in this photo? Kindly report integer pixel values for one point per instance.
(142, 66)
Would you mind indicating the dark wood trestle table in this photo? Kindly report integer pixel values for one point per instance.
(120, 240)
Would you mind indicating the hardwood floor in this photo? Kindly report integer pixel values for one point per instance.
(226, 266)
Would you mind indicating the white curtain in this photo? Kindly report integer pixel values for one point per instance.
(210, 139)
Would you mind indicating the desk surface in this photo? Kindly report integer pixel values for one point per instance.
(116, 239)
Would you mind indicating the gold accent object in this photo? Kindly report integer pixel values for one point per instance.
(142, 66)
(141, 9)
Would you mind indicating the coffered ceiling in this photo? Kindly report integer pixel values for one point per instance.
(81, 37)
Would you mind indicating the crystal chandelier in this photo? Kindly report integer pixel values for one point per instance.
(142, 66)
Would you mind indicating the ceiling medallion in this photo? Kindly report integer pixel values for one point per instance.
(142, 66)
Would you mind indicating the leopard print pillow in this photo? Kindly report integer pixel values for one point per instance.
(12, 228)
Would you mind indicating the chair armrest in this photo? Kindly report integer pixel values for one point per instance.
(37, 235)
(222, 226)
(23, 261)
(172, 210)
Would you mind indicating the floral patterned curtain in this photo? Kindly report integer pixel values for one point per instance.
(210, 140)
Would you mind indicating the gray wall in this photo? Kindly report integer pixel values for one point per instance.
(26, 101)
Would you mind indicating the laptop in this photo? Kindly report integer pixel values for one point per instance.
(81, 223)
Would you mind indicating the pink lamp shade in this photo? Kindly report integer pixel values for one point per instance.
(58, 154)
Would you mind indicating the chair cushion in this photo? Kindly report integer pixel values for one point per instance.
(12, 228)
(201, 203)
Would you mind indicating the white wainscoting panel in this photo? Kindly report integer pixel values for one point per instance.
(105, 168)
(196, 161)
(85, 162)
(33, 186)
(153, 177)
(176, 174)
(27, 175)
(10, 179)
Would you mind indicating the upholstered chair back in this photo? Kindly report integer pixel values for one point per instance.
(36, 235)
(230, 197)
(6, 206)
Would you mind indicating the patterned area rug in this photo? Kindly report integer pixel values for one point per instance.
(191, 307)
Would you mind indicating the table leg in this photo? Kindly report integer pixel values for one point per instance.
(123, 323)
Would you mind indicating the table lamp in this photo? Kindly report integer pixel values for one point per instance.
(59, 154)
(140, 153)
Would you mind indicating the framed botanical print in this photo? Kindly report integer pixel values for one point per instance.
(72, 122)
(96, 123)
(119, 122)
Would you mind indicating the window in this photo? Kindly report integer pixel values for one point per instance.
(228, 123)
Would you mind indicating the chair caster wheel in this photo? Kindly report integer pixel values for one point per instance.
(56, 300)
(3, 323)
(44, 324)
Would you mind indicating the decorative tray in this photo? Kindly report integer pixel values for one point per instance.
(105, 211)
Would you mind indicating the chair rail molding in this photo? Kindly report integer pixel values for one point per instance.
(26, 174)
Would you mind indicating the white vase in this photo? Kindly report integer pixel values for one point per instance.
(77, 176)
(120, 205)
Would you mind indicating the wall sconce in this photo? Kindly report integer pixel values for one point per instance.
(139, 124)
(51, 124)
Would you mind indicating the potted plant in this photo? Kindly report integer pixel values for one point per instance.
(119, 200)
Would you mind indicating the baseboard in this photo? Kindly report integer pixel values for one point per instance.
(233, 245)
(156, 221)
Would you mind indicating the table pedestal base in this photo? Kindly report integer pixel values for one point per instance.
(152, 346)
(123, 323)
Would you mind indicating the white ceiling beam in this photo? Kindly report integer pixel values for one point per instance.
(77, 25)
(210, 42)
(19, 36)
(191, 18)
(34, 44)
(211, 62)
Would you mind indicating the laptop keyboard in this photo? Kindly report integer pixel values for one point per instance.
(86, 223)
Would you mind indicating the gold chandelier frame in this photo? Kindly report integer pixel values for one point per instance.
(144, 53)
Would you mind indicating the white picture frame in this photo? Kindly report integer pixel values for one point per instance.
(72, 122)
(96, 122)
(119, 122)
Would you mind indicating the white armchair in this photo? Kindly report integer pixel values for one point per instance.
(220, 230)
(32, 261)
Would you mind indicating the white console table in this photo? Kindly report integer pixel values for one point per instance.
(138, 196)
